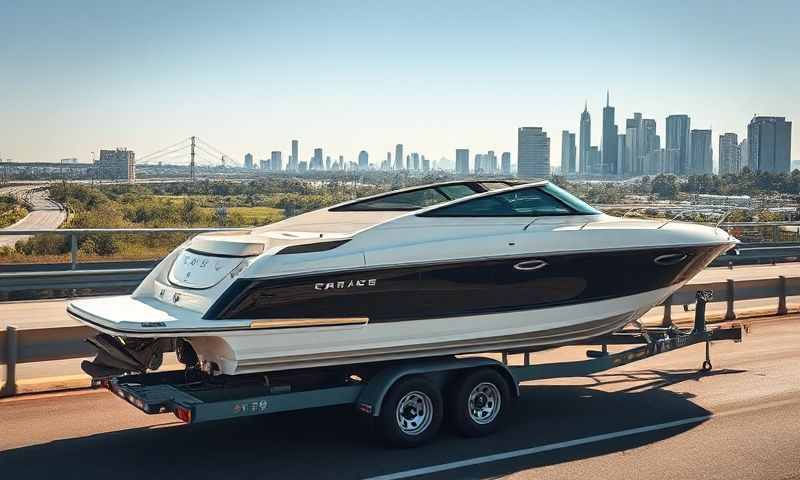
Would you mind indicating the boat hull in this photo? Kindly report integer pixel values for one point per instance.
(242, 352)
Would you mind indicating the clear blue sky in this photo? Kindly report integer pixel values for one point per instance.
(249, 76)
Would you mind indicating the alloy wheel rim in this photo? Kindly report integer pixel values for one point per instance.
(414, 412)
(483, 403)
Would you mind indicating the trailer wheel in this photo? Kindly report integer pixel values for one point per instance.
(411, 413)
(479, 401)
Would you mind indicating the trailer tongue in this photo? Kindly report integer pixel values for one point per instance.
(404, 396)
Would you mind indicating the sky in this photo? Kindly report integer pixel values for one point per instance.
(250, 76)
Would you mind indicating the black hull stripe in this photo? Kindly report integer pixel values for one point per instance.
(461, 288)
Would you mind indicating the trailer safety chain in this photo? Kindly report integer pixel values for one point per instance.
(706, 367)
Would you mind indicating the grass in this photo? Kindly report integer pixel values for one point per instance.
(12, 216)
(253, 215)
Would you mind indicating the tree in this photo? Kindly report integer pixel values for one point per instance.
(665, 186)
(190, 212)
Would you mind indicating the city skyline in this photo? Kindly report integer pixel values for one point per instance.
(70, 90)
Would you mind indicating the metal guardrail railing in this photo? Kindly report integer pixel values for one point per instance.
(75, 233)
(60, 343)
(71, 280)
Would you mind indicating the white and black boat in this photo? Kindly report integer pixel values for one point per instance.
(442, 269)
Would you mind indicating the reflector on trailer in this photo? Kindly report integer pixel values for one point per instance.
(184, 414)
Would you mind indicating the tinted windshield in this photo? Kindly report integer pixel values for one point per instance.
(528, 202)
(574, 202)
(412, 200)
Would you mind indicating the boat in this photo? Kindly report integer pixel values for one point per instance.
(442, 269)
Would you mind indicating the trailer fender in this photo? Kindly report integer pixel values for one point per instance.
(371, 396)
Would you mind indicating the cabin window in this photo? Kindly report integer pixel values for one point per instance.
(494, 185)
(574, 202)
(529, 202)
(413, 200)
(456, 191)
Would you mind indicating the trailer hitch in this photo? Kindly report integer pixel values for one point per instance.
(703, 297)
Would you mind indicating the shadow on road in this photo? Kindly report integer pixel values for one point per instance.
(337, 442)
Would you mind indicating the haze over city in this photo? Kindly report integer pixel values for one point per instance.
(250, 77)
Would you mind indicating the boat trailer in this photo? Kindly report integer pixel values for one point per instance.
(373, 389)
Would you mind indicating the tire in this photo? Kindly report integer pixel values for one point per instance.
(411, 412)
(479, 401)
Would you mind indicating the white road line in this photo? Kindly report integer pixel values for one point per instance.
(570, 443)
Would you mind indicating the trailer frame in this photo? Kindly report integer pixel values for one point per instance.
(193, 398)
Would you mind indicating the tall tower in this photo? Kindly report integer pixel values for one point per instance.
(533, 152)
(462, 161)
(295, 155)
(191, 160)
(585, 140)
(770, 144)
(678, 142)
(610, 141)
(505, 159)
(700, 141)
(398, 157)
(567, 152)
(730, 157)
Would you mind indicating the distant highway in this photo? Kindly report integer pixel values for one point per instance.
(653, 419)
(46, 214)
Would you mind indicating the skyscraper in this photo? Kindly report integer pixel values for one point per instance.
(651, 146)
(248, 160)
(609, 139)
(621, 154)
(634, 145)
(770, 144)
(744, 154)
(730, 157)
(505, 159)
(533, 152)
(363, 160)
(701, 152)
(567, 152)
(295, 155)
(414, 161)
(678, 127)
(585, 141)
(398, 157)
(462, 161)
(316, 162)
(275, 161)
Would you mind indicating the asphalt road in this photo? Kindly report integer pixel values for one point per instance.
(657, 419)
(46, 214)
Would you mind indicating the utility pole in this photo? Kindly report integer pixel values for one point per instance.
(191, 162)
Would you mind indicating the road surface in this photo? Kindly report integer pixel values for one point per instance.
(45, 214)
(654, 419)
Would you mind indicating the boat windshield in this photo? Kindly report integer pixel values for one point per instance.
(536, 201)
(411, 200)
(574, 202)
